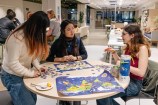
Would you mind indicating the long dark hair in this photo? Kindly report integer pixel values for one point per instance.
(64, 40)
(35, 34)
(138, 39)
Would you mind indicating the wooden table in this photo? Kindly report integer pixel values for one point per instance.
(53, 92)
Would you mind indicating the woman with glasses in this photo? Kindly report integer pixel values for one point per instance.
(22, 48)
(139, 50)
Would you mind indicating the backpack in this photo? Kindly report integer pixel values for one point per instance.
(4, 33)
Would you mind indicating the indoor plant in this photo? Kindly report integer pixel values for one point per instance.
(81, 15)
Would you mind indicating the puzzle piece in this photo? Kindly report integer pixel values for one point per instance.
(76, 65)
(50, 71)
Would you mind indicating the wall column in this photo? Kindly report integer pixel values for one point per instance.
(81, 8)
(92, 18)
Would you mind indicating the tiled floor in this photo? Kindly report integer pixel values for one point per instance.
(96, 37)
(48, 101)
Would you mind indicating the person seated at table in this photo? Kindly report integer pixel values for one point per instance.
(139, 50)
(67, 47)
(22, 48)
(55, 25)
(28, 15)
(76, 28)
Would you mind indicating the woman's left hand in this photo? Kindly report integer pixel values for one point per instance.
(36, 73)
(72, 58)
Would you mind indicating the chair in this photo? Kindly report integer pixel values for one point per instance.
(141, 95)
(1, 44)
(96, 52)
(74, 103)
(5, 98)
(84, 31)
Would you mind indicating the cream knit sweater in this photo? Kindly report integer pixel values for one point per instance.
(16, 60)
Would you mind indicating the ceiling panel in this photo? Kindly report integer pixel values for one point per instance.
(118, 3)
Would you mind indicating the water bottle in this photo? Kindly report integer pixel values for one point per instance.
(124, 67)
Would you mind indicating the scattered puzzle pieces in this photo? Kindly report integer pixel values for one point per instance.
(50, 71)
(76, 65)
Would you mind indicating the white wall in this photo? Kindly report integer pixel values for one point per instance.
(149, 5)
(16, 5)
(3, 10)
(33, 7)
(19, 6)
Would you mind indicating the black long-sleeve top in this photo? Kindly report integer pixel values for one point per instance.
(57, 51)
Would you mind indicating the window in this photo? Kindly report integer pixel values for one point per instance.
(121, 16)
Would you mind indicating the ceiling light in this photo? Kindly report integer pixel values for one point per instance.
(120, 3)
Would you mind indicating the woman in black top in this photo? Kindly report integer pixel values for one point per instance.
(67, 47)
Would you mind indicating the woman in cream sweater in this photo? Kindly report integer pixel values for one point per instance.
(22, 48)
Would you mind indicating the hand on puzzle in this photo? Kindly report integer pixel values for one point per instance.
(43, 69)
(65, 58)
(37, 73)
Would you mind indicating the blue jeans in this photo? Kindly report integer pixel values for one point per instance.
(133, 89)
(19, 94)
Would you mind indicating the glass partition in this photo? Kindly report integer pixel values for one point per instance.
(105, 16)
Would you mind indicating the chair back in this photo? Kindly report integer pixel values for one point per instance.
(96, 52)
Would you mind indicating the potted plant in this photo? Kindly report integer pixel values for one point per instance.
(81, 15)
(138, 21)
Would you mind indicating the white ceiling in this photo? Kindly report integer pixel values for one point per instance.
(119, 3)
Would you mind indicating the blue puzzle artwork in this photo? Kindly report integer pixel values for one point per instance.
(105, 82)
(76, 65)
(71, 86)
